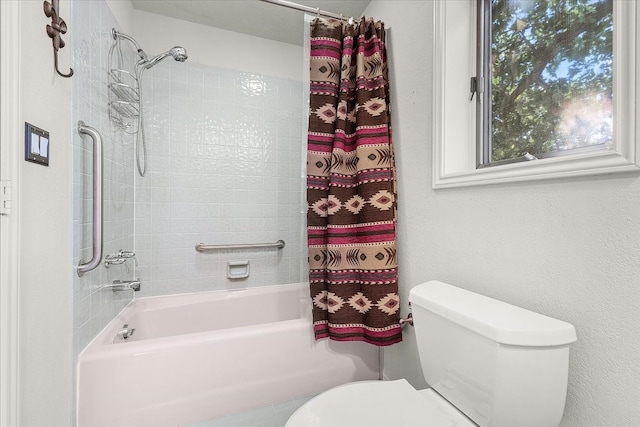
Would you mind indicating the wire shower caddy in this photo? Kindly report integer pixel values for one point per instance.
(124, 90)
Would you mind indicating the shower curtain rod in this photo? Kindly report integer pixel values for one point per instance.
(315, 10)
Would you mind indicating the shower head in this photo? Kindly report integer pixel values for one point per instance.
(177, 52)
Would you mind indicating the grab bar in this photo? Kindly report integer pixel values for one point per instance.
(201, 247)
(84, 267)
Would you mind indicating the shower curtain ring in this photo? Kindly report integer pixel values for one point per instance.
(317, 13)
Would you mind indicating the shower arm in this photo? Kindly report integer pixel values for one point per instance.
(118, 35)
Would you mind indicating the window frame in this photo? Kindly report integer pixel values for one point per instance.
(455, 156)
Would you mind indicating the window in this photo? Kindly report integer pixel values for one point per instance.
(548, 84)
(556, 84)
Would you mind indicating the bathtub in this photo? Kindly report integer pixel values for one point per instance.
(199, 356)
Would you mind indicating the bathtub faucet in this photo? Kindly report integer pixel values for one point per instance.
(122, 285)
(120, 257)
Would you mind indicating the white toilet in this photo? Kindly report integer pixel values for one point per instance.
(489, 364)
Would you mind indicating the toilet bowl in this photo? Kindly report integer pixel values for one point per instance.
(488, 364)
(378, 404)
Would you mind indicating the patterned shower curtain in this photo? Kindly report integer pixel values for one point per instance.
(351, 217)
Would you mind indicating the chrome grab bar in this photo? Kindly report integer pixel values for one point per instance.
(201, 247)
(84, 267)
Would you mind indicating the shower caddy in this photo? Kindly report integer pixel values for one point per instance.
(124, 90)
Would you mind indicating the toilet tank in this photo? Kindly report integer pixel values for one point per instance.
(501, 365)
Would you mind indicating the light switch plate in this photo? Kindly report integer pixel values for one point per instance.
(36, 145)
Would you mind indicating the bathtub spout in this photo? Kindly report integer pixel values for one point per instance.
(125, 332)
(122, 285)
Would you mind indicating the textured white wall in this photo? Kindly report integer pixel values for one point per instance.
(566, 248)
(123, 12)
(44, 212)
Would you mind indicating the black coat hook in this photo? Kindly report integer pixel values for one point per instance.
(57, 27)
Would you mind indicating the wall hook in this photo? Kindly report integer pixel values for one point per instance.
(57, 27)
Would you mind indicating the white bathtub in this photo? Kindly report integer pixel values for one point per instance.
(199, 356)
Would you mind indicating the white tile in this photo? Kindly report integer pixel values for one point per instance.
(179, 73)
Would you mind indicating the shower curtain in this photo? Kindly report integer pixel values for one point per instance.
(351, 216)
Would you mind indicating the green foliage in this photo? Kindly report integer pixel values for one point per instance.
(551, 75)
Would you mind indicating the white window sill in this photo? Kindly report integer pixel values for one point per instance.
(596, 163)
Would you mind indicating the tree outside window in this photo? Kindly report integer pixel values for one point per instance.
(551, 77)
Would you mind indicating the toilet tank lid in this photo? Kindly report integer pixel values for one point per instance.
(499, 321)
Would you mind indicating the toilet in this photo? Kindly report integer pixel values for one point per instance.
(488, 364)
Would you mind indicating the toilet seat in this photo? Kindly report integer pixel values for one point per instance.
(378, 404)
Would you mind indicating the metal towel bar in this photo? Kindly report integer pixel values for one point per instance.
(84, 267)
(201, 247)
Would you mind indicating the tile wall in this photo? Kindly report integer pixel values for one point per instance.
(225, 165)
(95, 306)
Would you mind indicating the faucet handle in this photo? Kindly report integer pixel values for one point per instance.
(120, 258)
(126, 254)
(113, 260)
